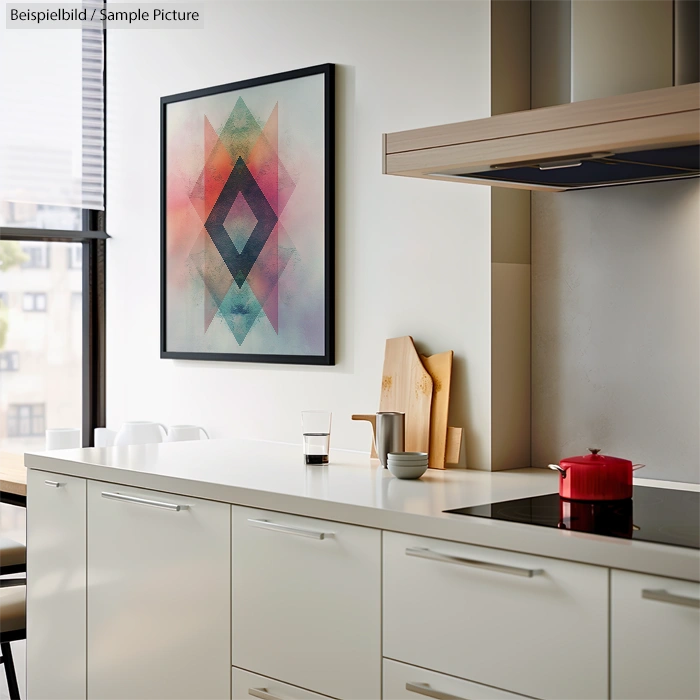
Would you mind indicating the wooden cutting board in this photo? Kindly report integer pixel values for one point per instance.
(454, 445)
(407, 387)
(440, 369)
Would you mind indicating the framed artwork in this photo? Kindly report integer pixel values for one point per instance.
(247, 220)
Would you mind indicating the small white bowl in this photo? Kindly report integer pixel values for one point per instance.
(407, 462)
(408, 456)
(406, 472)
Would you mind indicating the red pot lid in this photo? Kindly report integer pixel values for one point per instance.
(598, 459)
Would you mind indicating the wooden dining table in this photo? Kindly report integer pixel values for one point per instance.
(13, 479)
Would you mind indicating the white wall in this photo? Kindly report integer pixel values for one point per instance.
(413, 257)
(616, 326)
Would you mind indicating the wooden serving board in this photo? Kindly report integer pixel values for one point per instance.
(440, 369)
(407, 387)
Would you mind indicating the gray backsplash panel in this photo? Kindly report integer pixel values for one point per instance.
(616, 326)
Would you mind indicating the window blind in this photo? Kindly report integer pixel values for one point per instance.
(51, 124)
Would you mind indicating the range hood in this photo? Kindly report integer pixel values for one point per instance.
(613, 51)
(646, 136)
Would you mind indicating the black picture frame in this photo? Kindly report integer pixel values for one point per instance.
(328, 358)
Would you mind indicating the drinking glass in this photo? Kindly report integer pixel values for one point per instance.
(316, 429)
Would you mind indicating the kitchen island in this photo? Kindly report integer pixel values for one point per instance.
(228, 568)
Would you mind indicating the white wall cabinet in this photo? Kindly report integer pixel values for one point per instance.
(307, 602)
(527, 624)
(655, 637)
(159, 605)
(56, 654)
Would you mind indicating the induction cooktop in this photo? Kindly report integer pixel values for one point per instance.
(664, 516)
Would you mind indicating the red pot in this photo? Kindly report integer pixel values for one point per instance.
(595, 477)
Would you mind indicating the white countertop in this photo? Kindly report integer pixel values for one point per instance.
(354, 489)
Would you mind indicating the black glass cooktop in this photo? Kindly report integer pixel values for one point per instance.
(665, 516)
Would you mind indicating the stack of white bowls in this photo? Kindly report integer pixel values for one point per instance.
(407, 465)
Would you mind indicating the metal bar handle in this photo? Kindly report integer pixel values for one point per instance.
(425, 689)
(55, 484)
(262, 694)
(424, 553)
(665, 597)
(112, 496)
(301, 532)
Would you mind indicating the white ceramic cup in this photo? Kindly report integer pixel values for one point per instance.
(62, 438)
(140, 432)
(177, 433)
(104, 437)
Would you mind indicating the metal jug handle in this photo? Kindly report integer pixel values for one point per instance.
(371, 418)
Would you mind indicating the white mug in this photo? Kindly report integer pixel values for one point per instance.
(62, 438)
(104, 437)
(185, 432)
(140, 432)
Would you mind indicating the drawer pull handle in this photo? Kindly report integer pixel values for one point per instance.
(425, 689)
(301, 532)
(55, 484)
(262, 694)
(666, 597)
(109, 495)
(424, 553)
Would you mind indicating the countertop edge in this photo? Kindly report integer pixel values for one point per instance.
(638, 556)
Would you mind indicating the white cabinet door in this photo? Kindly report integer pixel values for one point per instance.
(655, 637)
(56, 629)
(307, 602)
(159, 595)
(530, 625)
(404, 682)
(247, 686)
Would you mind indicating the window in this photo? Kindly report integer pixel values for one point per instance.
(37, 256)
(52, 248)
(26, 420)
(9, 361)
(75, 256)
(34, 301)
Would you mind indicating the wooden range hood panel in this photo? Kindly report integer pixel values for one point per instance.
(645, 121)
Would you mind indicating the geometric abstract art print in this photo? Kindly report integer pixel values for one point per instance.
(247, 220)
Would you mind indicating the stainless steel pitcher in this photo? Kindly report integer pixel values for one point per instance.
(389, 432)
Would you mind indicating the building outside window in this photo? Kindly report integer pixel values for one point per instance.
(46, 332)
(26, 420)
(37, 256)
(34, 301)
(75, 256)
(9, 361)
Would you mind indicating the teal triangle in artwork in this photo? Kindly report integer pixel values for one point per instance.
(240, 309)
(240, 132)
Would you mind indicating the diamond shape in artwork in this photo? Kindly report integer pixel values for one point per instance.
(240, 181)
(240, 222)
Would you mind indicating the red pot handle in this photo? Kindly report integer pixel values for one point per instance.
(557, 468)
(637, 466)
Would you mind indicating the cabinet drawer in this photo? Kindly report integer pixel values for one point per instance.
(531, 625)
(307, 602)
(248, 686)
(655, 637)
(403, 682)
